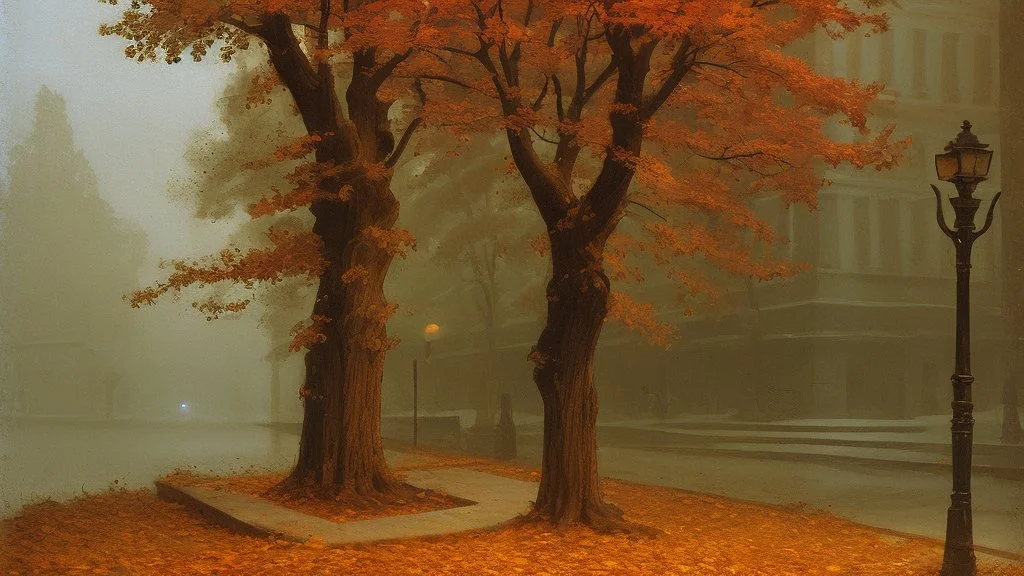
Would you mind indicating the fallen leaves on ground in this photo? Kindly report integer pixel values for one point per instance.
(342, 507)
(134, 533)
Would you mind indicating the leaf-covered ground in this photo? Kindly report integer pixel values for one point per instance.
(132, 532)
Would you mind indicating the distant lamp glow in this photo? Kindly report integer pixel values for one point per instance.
(183, 406)
(431, 332)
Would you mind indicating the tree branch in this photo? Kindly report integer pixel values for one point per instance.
(554, 32)
(599, 81)
(247, 28)
(559, 104)
(403, 143)
(649, 209)
(385, 69)
(682, 62)
(396, 155)
(540, 97)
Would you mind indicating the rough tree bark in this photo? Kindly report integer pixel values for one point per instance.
(578, 292)
(340, 446)
(577, 305)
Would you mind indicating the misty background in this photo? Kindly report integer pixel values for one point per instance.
(108, 166)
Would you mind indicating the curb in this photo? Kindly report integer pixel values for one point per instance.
(494, 501)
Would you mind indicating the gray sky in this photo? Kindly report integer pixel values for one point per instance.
(131, 120)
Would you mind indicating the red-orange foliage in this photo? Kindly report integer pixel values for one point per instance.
(383, 30)
(291, 254)
(727, 115)
(687, 108)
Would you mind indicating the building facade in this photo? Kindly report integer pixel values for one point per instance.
(868, 332)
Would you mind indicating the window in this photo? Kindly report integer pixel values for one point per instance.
(983, 70)
(862, 233)
(889, 217)
(886, 60)
(853, 56)
(920, 79)
(828, 228)
(919, 264)
(950, 74)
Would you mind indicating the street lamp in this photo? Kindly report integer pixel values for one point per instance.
(431, 332)
(965, 163)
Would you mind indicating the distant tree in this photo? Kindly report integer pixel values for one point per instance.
(220, 188)
(477, 226)
(346, 187)
(67, 260)
(633, 82)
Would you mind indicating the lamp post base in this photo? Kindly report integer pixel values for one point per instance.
(958, 557)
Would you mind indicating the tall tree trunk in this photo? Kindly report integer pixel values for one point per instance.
(577, 306)
(340, 446)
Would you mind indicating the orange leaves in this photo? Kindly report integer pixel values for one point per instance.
(306, 334)
(260, 88)
(133, 532)
(309, 181)
(354, 274)
(291, 254)
(541, 244)
(394, 242)
(213, 308)
(640, 318)
(296, 149)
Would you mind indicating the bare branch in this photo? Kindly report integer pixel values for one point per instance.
(724, 156)
(542, 137)
(247, 28)
(682, 62)
(404, 142)
(600, 80)
(385, 70)
(649, 209)
(540, 97)
(325, 14)
(728, 66)
(459, 51)
(554, 31)
(529, 13)
(448, 79)
(559, 105)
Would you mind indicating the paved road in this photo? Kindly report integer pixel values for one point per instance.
(903, 500)
(60, 460)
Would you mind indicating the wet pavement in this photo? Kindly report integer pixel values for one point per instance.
(61, 459)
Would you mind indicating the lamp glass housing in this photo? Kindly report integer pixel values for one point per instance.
(947, 165)
(975, 162)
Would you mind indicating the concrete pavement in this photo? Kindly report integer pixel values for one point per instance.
(494, 500)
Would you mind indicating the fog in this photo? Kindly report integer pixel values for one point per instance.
(831, 387)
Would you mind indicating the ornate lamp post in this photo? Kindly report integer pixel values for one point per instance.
(965, 163)
(430, 333)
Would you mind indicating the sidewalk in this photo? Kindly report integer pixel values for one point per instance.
(920, 444)
(494, 500)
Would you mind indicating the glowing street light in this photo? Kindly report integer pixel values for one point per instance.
(431, 332)
(964, 164)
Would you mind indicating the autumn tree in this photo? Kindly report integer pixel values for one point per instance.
(65, 261)
(347, 152)
(593, 98)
